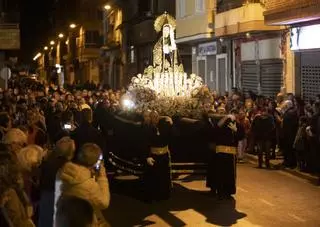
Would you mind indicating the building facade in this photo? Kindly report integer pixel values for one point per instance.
(9, 38)
(195, 38)
(113, 56)
(251, 56)
(109, 44)
(228, 44)
(302, 18)
(76, 53)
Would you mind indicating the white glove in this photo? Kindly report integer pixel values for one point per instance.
(233, 127)
(150, 161)
(308, 131)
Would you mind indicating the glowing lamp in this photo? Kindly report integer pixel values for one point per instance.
(107, 7)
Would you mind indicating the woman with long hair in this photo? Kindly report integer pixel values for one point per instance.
(13, 211)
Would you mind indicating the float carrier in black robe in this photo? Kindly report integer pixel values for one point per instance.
(222, 169)
(157, 178)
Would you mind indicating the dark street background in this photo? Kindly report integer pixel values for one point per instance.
(265, 198)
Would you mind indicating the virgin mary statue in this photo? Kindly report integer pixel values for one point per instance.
(165, 52)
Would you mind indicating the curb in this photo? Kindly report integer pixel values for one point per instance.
(313, 179)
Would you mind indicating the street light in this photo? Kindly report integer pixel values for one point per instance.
(61, 35)
(37, 56)
(52, 42)
(107, 7)
(72, 25)
(45, 48)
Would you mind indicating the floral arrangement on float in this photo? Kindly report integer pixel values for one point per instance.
(164, 86)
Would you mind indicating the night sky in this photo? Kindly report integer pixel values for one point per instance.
(35, 27)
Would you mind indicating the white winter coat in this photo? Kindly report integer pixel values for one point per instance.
(76, 180)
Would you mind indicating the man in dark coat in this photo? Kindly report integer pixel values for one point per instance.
(262, 127)
(289, 127)
(86, 133)
(314, 137)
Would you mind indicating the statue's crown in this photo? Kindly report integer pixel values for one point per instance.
(163, 19)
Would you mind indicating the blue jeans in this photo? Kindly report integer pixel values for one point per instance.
(46, 209)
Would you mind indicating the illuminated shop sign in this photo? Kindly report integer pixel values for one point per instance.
(304, 38)
(207, 49)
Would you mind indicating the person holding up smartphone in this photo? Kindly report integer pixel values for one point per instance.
(67, 126)
(99, 162)
(86, 178)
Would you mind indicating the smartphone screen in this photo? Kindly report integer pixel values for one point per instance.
(67, 126)
(97, 166)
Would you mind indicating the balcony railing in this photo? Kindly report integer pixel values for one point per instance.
(286, 5)
(9, 18)
(9, 26)
(226, 5)
(92, 45)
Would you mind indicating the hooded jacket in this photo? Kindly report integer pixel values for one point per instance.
(76, 180)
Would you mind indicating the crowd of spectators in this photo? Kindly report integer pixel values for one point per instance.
(48, 131)
(50, 159)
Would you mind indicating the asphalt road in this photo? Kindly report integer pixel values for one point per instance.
(265, 198)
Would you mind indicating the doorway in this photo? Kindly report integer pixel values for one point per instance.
(222, 74)
(202, 68)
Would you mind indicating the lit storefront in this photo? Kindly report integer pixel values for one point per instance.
(305, 42)
(303, 49)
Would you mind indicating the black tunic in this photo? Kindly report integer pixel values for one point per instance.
(210, 126)
(157, 178)
(224, 177)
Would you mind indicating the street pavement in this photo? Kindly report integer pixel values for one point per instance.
(277, 164)
(265, 198)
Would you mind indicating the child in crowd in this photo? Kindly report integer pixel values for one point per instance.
(245, 123)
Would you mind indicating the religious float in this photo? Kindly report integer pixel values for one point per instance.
(167, 89)
(164, 86)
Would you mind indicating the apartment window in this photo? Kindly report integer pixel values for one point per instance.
(181, 8)
(92, 38)
(200, 6)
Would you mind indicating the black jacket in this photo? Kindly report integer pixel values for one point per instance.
(263, 127)
(49, 169)
(86, 133)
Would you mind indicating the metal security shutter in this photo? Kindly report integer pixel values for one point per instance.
(310, 75)
(271, 76)
(249, 76)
